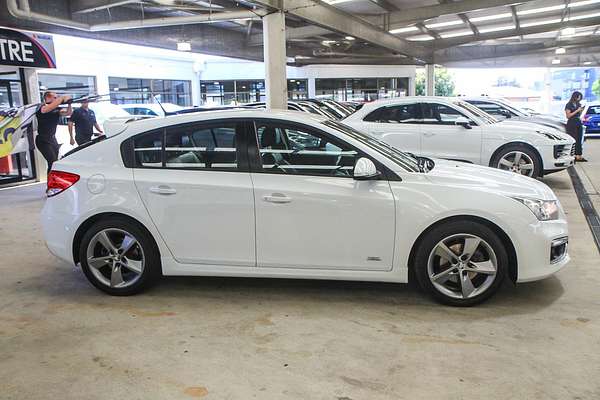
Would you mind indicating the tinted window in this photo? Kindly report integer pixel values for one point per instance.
(491, 108)
(592, 110)
(202, 147)
(440, 114)
(402, 114)
(148, 149)
(293, 150)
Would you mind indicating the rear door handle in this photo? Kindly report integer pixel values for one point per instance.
(163, 189)
(277, 198)
(428, 134)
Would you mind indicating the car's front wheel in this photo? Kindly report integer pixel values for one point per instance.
(119, 257)
(518, 158)
(461, 263)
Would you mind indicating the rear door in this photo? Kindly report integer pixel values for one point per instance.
(195, 184)
(441, 137)
(398, 125)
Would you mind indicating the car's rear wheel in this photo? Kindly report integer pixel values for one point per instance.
(119, 257)
(519, 159)
(461, 263)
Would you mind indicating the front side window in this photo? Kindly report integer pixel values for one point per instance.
(202, 146)
(400, 114)
(296, 150)
(148, 150)
(440, 114)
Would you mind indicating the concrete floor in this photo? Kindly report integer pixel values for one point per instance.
(280, 339)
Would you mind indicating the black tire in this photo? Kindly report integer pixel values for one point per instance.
(152, 266)
(537, 163)
(448, 230)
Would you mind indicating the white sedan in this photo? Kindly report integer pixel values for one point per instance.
(285, 194)
(453, 129)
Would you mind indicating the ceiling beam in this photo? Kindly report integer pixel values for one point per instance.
(293, 33)
(446, 43)
(386, 5)
(321, 14)
(86, 6)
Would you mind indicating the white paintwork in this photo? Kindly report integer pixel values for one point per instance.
(306, 226)
(455, 142)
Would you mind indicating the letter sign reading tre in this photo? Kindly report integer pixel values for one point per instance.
(24, 49)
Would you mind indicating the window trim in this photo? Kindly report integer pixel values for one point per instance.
(473, 122)
(255, 159)
(241, 146)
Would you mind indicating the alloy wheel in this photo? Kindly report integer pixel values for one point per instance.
(115, 257)
(462, 266)
(517, 161)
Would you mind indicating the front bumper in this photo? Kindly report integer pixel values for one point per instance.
(543, 250)
(558, 157)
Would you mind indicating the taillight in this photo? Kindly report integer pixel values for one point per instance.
(59, 181)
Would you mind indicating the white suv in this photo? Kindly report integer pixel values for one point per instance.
(453, 129)
(291, 195)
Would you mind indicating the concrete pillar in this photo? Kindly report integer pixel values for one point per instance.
(430, 80)
(33, 93)
(275, 60)
(312, 88)
(411, 86)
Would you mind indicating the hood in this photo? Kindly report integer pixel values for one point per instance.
(528, 125)
(477, 177)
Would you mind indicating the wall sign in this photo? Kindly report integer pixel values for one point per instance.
(26, 49)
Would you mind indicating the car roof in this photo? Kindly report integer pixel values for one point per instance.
(409, 99)
(140, 125)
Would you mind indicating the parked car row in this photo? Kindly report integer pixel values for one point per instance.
(281, 194)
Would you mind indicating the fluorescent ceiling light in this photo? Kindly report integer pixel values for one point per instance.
(337, 1)
(456, 34)
(567, 32)
(184, 46)
(497, 29)
(421, 38)
(492, 17)
(583, 16)
(587, 63)
(541, 10)
(555, 61)
(584, 3)
(443, 24)
(405, 29)
(560, 50)
(543, 22)
(349, 38)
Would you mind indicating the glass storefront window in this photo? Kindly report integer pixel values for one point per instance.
(225, 92)
(361, 89)
(134, 90)
(72, 85)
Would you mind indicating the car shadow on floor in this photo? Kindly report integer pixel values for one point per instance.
(195, 292)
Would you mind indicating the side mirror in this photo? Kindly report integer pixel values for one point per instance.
(364, 169)
(464, 122)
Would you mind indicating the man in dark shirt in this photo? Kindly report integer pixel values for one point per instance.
(84, 120)
(47, 120)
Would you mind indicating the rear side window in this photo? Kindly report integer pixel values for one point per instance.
(147, 150)
(401, 114)
(440, 114)
(202, 146)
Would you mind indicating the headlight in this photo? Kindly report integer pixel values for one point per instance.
(544, 210)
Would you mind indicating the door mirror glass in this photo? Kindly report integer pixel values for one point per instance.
(365, 169)
(462, 121)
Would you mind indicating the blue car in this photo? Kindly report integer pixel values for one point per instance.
(591, 119)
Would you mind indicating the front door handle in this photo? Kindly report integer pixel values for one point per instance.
(163, 189)
(428, 134)
(277, 198)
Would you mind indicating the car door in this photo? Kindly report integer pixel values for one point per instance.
(398, 125)
(195, 183)
(441, 137)
(310, 212)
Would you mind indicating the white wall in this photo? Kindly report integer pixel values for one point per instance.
(79, 56)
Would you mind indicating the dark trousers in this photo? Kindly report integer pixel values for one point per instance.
(49, 150)
(575, 130)
(81, 139)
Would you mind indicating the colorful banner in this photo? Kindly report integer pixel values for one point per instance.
(13, 127)
(26, 49)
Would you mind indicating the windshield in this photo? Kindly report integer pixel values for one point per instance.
(406, 160)
(481, 115)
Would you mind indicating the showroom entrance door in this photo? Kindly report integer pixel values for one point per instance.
(18, 166)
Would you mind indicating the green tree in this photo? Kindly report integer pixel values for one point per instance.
(596, 88)
(444, 83)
